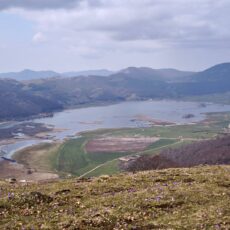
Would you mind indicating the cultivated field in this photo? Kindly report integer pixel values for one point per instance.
(98, 152)
(119, 144)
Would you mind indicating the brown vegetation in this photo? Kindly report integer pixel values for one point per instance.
(119, 144)
(196, 198)
(20, 172)
(209, 152)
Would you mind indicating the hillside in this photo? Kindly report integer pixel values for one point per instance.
(50, 94)
(141, 83)
(208, 152)
(196, 198)
(215, 80)
(215, 73)
(169, 75)
(134, 84)
(17, 101)
(30, 75)
(98, 72)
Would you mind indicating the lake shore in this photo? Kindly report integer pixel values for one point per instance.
(123, 118)
(20, 172)
(32, 164)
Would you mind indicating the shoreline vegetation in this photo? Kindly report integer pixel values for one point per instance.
(51, 114)
(71, 157)
(203, 100)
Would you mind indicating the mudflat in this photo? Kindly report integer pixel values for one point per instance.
(20, 172)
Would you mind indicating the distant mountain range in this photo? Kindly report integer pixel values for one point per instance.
(99, 72)
(169, 75)
(29, 75)
(161, 74)
(54, 92)
(34, 75)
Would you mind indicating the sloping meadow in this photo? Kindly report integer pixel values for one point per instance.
(196, 198)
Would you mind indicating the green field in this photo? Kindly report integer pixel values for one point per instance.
(70, 157)
(73, 158)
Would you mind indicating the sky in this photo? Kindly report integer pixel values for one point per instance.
(67, 35)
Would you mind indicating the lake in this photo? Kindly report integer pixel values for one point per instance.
(71, 122)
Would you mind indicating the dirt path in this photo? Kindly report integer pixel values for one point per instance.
(99, 166)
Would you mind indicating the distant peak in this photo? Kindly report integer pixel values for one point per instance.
(221, 65)
(26, 71)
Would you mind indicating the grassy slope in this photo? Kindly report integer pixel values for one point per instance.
(196, 198)
(73, 158)
(40, 157)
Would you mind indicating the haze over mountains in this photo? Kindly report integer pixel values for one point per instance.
(161, 74)
(22, 99)
(28, 74)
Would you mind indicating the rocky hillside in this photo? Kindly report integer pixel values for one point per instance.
(196, 198)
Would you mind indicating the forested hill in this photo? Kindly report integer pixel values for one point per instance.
(47, 95)
(16, 101)
(207, 152)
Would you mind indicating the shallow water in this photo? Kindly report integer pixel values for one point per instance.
(122, 115)
(118, 116)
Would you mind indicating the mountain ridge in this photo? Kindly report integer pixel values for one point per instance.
(28, 74)
(129, 84)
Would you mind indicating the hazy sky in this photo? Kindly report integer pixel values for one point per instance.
(65, 35)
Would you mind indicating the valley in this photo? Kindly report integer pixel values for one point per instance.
(114, 115)
(107, 151)
(94, 125)
(44, 96)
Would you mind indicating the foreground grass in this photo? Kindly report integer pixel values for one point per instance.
(196, 198)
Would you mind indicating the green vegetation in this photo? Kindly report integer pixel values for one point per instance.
(220, 98)
(39, 157)
(109, 168)
(186, 131)
(78, 161)
(72, 157)
(48, 95)
(161, 143)
(196, 198)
